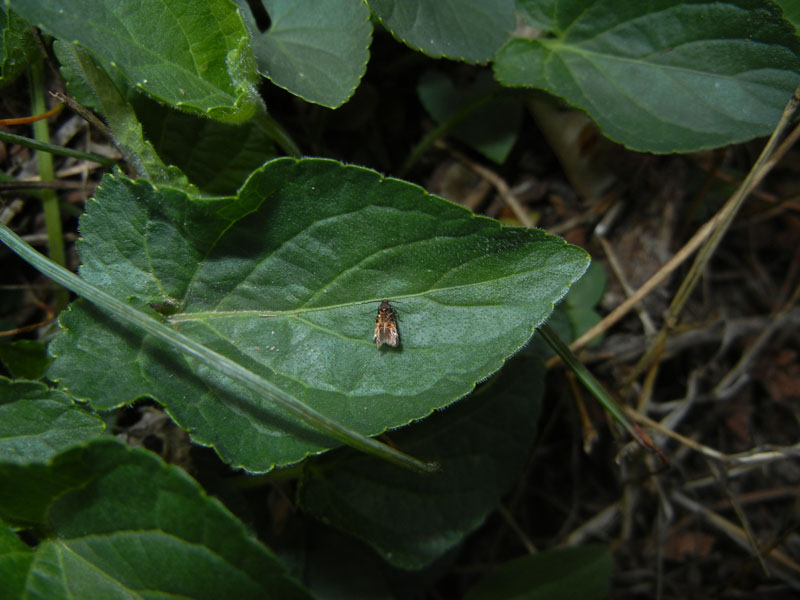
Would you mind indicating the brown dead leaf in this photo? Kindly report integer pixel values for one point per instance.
(686, 545)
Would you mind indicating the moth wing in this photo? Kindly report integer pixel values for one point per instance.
(386, 333)
(394, 337)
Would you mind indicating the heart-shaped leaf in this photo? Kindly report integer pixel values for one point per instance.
(664, 76)
(286, 279)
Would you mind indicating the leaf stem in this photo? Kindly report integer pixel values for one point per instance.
(277, 133)
(35, 144)
(52, 213)
(595, 387)
(216, 361)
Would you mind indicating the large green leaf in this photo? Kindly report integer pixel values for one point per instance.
(78, 65)
(125, 525)
(561, 574)
(482, 444)
(37, 423)
(192, 55)
(286, 279)
(216, 157)
(315, 50)
(469, 30)
(332, 565)
(661, 76)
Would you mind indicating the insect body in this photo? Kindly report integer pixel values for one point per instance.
(386, 326)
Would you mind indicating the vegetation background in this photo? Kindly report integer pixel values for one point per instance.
(655, 136)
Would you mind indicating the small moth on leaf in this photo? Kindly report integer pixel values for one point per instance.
(386, 326)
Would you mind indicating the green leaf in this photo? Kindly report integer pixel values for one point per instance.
(315, 50)
(482, 444)
(15, 563)
(26, 359)
(492, 123)
(37, 423)
(191, 55)
(333, 565)
(83, 87)
(791, 11)
(122, 120)
(125, 525)
(662, 76)
(216, 157)
(17, 48)
(540, 14)
(468, 30)
(589, 289)
(561, 574)
(582, 299)
(285, 279)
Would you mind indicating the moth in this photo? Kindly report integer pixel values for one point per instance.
(386, 326)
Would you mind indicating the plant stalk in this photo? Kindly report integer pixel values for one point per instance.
(52, 212)
(597, 390)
